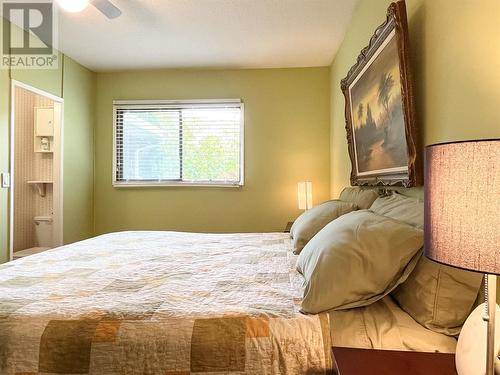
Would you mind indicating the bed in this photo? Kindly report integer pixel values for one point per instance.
(180, 303)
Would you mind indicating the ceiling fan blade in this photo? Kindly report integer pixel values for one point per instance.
(107, 8)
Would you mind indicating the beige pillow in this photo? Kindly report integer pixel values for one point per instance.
(356, 260)
(400, 207)
(439, 297)
(313, 220)
(361, 197)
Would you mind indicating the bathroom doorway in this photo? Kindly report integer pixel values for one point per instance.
(36, 216)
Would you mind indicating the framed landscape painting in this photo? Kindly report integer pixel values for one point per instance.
(380, 117)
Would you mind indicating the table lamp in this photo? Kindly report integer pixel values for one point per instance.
(304, 195)
(462, 215)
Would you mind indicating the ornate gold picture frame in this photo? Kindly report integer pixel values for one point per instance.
(379, 108)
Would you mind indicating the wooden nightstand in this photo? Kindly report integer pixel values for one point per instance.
(352, 361)
(288, 227)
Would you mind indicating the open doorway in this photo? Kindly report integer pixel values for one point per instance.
(36, 222)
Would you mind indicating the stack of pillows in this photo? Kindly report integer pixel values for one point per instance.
(355, 250)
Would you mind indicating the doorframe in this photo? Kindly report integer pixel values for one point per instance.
(58, 163)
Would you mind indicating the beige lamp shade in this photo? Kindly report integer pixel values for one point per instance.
(304, 195)
(462, 204)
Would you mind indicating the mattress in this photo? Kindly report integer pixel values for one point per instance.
(160, 303)
(180, 303)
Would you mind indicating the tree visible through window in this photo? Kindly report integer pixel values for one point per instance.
(169, 143)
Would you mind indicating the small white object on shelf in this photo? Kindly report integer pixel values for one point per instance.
(41, 186)
(45, 144)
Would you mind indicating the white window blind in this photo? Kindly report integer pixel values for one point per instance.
(178, 143)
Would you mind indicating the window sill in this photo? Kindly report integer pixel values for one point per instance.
(175, 184)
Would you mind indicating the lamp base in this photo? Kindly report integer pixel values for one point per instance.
(470, 353)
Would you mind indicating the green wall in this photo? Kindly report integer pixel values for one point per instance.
(79, 110)
(286, 141)
(76, 85)
(455, 47)
(49, 80)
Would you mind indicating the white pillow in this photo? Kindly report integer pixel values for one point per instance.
(361, 197)
(313, 220)
(357, 259)
(402, 208)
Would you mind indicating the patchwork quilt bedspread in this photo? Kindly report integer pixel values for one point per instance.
(160, 303)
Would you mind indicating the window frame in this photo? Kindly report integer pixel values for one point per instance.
(119, 104)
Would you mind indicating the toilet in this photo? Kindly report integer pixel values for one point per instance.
(43, 231)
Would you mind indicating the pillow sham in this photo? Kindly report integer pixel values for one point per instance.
(402, 208)
(313, 220)
(356, 260)
(439, 297)
(362, 198)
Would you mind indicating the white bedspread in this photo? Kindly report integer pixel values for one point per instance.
(160, 303)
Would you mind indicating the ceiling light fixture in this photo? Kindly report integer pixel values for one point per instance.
(106, 7)
(73, 6)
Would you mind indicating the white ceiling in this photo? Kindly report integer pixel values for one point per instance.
(207, 33)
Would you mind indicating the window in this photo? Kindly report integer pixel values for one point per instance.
(178, 143)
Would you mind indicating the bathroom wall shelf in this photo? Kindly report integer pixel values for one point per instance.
(39, 151)
(41, 186)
